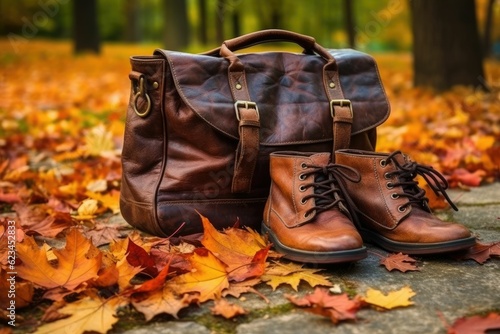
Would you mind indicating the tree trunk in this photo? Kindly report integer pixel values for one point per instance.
(132, 28)
(219, 21)
(446, 45)
(85, 26)
(202, 7)
(488, 25)
(349, 23)
(176, 34)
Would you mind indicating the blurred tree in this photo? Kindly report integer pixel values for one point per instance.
(349, 23)
(202, 12)
(85, 26)
(488, 25)
(219, 21)
(132, 24)
(176, 33)
(446, 46)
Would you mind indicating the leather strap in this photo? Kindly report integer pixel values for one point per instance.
(341, 111)
(247, 113)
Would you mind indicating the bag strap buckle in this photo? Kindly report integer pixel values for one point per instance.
(247, 105)
(340, 103)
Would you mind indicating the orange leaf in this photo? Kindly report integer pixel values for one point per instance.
(243, 252)
(161, 301)
(78, 262)
(476, 324)
(226, 309)
(208, 276)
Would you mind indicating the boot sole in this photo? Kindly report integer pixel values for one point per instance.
(299, 255)
(416, 248)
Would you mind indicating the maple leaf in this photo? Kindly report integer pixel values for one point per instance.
(78, 262)
(164, 300)
(87, 209)
(226, 309)
(243, 252)
(292, 274)
(85, 315)
(138, 257)
(399, 261)
(41, 219)
(24, 291)
(336, 307)
(393, 299)
(480, 252)
(476, 324)
(239, 288)
(208, 276)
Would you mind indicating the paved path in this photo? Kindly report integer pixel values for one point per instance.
(443, 286)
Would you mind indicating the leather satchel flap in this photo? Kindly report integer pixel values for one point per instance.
(288, 90)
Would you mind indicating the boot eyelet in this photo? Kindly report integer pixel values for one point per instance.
(383, 163)
(302, 189)
(303, 201)
(394, 196)
(389, 185)
(401, 208)
(303, 165)
(387, 176)
(302, 177)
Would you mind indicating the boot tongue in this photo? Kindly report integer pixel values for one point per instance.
(401, 158)
(320, 159)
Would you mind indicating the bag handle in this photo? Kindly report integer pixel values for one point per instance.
(308, 43)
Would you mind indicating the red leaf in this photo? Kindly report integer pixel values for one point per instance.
(400, 261)
(475, 324)
(480, 252)
(138, 257)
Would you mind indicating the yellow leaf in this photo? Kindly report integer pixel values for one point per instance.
(208, 276)
(292, 274)
(399, 298)
(99, 142)
(162, 301)
(90, 314)
(87, 209)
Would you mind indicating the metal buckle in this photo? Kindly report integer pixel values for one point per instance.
(340, 103)
(142, 93)
(246, 105)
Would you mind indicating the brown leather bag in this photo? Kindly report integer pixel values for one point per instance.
(200, 127)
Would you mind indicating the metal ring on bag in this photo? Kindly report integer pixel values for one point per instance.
(142, 91)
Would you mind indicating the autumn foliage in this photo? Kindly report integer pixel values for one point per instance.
(61, 128)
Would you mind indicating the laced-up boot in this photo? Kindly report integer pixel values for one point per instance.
(392, 211)
(305, 215)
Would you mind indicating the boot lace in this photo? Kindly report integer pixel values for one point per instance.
(328, 191)
(406, 174)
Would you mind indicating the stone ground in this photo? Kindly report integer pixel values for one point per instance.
(445, 289)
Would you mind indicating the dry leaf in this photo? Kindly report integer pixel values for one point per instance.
(160, 301)
(85, 315)
(480, 252)
(292, 274)
(78, 262)
(399, 298)
(336, 307)
(400, 261)
(208, 276)
(226, 309)
(476, 325)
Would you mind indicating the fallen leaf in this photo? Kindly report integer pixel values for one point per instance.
(138, 257)
(399, 298)
(476, 325)
(164, 300)
(85, 315)
(399, 261)
(336, 307)
(87, 209)
(292, 274)
(226, 309)
(78, 262)
(242, 252)
(208, 276)
(479, 252)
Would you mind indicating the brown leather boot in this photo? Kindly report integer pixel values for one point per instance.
(305, 215)
(392, 210)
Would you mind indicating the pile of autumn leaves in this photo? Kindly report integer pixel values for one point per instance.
(155, 276)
